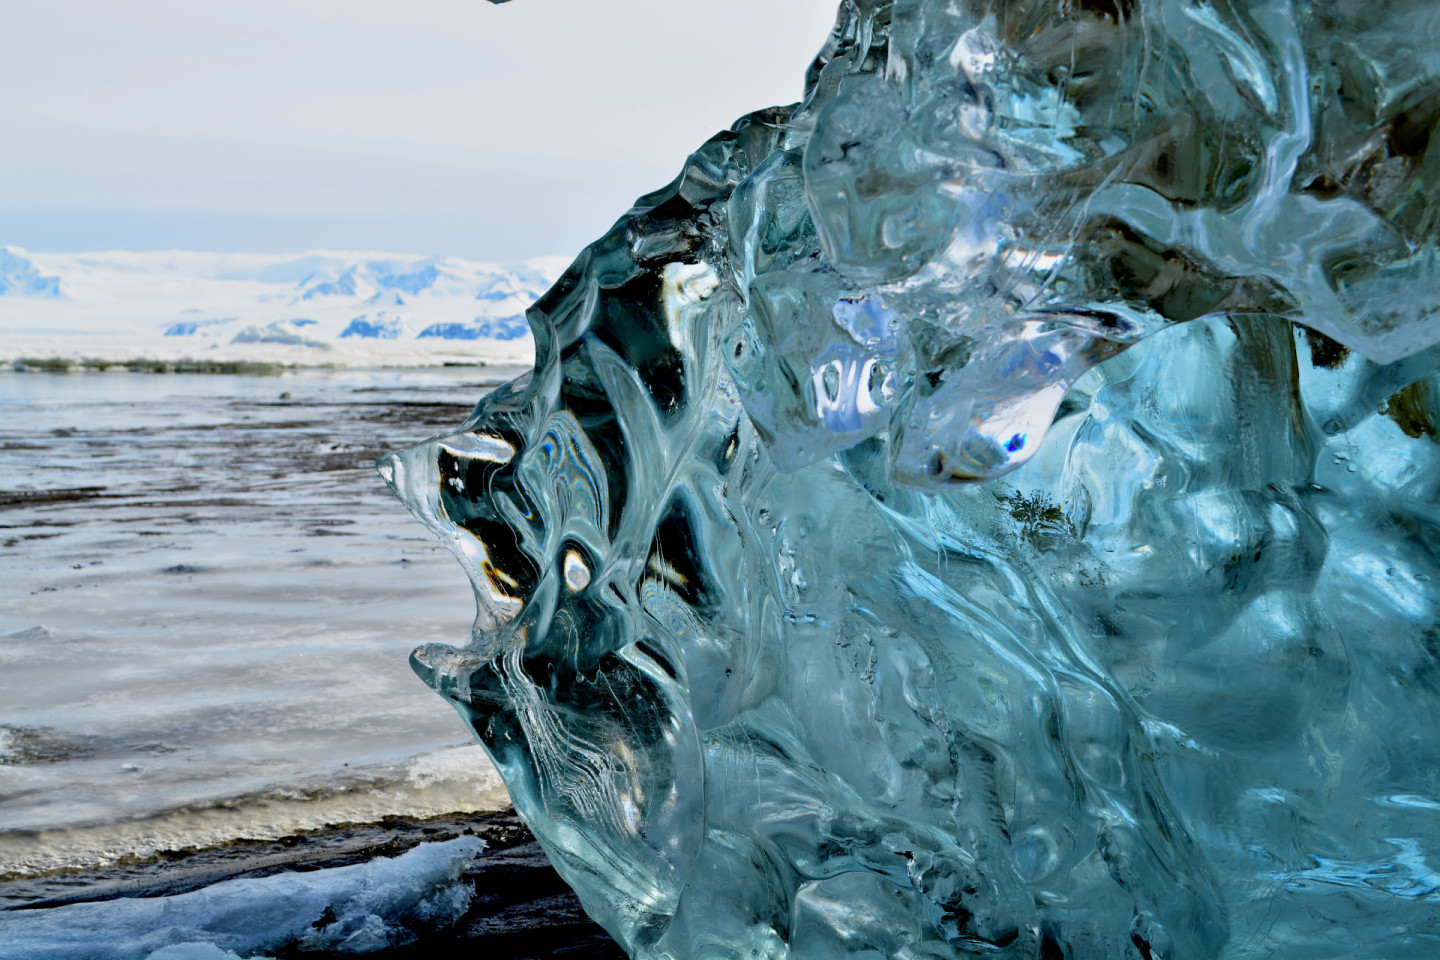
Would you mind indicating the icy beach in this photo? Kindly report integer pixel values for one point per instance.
(208, 601)
(209, 598)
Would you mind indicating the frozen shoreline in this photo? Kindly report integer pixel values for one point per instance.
(161, 354)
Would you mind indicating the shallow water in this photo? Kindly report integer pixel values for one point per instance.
(207, 598)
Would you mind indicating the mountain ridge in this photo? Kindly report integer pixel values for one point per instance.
(244, 298)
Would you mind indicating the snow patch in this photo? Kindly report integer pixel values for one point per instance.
(382, 326)
(481, 328)
(370, 906)
(189, 328)
(281, 331)
(20, 277)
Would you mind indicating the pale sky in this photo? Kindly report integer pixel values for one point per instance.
(450, 127)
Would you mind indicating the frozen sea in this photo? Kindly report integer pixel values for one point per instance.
(207, 599)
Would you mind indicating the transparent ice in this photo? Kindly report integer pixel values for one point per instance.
(989, 508)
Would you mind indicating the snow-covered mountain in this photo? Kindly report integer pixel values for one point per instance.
(20, 277)
(308, 303)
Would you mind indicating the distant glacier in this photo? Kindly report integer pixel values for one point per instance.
(380, 327)
(19, 276)
(354, 307)
(494, 328)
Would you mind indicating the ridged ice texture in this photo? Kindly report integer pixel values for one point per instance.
(990, 508)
